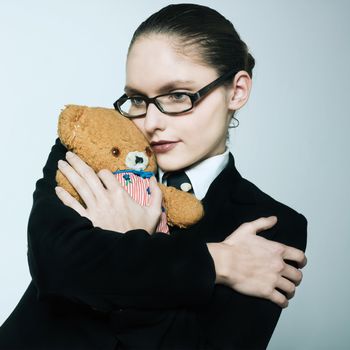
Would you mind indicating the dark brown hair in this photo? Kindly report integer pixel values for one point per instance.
(196, 26)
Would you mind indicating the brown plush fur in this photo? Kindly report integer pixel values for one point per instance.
(93, 132)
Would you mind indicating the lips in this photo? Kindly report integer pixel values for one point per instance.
(161, 142)
(163, 146)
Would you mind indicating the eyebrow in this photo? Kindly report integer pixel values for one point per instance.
(176, 84)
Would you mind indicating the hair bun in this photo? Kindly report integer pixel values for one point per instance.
(250, 63)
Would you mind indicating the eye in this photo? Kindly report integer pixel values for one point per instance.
(148, 151)
(178, 97)
(115, 151)
(136, 101)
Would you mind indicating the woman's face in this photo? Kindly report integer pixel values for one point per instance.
(152, 66)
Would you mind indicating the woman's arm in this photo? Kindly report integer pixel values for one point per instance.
(253, 265)
(233, 320)
(103, 268)
(106, 269)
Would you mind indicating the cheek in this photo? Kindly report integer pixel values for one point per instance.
(209, 124)
(139, 123)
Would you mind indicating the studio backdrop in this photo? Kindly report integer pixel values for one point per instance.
(292, 142)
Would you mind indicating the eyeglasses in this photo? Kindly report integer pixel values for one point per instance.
(172, 103)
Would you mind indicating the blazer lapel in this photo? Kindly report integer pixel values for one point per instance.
(221, 217)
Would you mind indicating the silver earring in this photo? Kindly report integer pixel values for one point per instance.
(234, 123)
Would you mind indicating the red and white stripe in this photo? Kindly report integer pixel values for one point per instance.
(137, 189)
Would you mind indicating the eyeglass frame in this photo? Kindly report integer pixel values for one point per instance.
(195, 97)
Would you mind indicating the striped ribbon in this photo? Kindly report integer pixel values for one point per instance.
(138, 188)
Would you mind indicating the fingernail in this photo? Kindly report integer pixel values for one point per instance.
(58, 189)
(61, 163)
(69, 154)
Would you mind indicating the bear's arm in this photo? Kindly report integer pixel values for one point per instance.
(105, 269)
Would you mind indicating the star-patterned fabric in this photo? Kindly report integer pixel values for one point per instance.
(138, 188)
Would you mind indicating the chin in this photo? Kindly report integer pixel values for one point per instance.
(169, 165)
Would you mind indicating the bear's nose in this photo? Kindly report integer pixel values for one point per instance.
(138, 160)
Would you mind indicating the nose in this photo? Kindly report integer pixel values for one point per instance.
(154, 119)
(138, 160)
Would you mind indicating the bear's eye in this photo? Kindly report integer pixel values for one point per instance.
(115, 151)
(148, 151)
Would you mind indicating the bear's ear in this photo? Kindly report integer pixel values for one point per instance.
(68, 124)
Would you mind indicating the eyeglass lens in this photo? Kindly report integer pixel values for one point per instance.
(171, 103)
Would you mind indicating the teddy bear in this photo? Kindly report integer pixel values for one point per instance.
(104, 139)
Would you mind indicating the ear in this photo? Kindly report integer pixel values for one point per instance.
(239, 91)
(68, 124)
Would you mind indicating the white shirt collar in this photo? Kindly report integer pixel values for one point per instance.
(204, 173)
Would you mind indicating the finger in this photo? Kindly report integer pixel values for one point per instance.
(279, 299)
(263, 224)
(77, 182)
(108, 179)
(86, 172)
(156, 194)
(69, 200)
(258, 225)
(294, 254)
(286, 286)
(119, 193)
(292, 274)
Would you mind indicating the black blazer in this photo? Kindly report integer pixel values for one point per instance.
(98, 289)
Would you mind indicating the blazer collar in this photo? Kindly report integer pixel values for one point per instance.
(229, 184)
(226, 178)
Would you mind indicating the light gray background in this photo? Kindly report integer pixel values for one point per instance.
(292, 141)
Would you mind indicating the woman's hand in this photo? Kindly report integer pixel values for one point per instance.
(108, 205)
(255, 266)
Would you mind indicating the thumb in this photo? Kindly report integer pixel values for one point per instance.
(252, 228)
(263, 223)
(156, 194)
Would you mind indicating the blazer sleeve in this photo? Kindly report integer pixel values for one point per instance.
(70, 258)
(244, 322)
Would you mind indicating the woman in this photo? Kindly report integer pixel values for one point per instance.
(102, 279)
